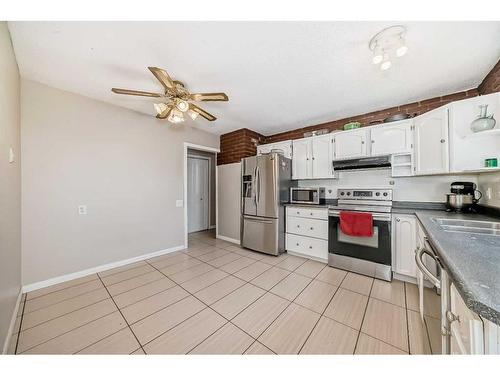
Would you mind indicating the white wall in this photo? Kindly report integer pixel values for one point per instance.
(125, 166)
(489, 184)
(415, 189)
(229, 200)
(10, 183)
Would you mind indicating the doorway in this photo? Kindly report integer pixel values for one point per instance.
(200, 190)
(198, 193)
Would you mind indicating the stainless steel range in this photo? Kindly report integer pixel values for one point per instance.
(370, 256)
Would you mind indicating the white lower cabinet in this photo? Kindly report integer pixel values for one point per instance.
(404, 231)
(307, 232)
(466, 327)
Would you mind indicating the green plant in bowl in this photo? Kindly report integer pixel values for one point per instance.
(352, 125)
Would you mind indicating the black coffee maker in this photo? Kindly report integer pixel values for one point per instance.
(463, 197)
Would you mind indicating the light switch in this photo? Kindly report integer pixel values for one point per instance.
(179, 203)
(82, 210)
(11, 155)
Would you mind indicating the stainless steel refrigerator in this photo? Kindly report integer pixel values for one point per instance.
(265, 188)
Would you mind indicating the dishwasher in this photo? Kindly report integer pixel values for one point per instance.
(430, 271)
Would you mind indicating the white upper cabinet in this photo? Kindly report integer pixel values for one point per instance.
(285, 147)
(312, 157)
(431, 142)
(468, 149)
(350, 144)
(301, 159)
(322, 154)
(392, 138)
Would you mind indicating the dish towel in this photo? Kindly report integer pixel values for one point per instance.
(359, 224)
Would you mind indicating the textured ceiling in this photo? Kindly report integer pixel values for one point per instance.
(278, 75)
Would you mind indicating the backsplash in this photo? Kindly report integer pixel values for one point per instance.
(411, 189)
(489, 184)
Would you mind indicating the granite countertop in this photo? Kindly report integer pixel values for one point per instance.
(473, 261)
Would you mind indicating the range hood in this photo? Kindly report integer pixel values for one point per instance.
(378, 162)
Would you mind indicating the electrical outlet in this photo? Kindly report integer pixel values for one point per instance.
(82, 210)
(488, 193)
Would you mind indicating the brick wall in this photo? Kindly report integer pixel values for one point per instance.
(491, 83)
(239, 144)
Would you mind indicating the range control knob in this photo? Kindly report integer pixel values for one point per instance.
(348, 193)
(342, 193)
(385, 194)
(377, 193)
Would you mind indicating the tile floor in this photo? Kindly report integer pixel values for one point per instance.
(217, 298)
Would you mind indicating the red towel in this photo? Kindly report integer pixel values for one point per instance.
(359, 224)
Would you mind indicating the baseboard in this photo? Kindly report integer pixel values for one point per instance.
(12, 323)
(90, 271)
(211, 227)
(228, 239)
(404, 278)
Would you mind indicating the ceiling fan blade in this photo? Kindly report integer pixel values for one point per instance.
(202, 112)
(163, 77)
(136, 93)
(209, 97)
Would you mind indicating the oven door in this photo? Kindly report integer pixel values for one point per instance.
(367, 255)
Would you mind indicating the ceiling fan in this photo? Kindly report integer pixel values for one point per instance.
(176, 99)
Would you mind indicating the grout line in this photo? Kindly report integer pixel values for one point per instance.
(152, 295)
(123, 317)
(69, 312)
(104, 338)
(71, 330)
(20, 324)
(407, 322)
(63, 300)
(121, 281)
(364, 315)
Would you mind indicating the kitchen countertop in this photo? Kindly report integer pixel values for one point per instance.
(473, 261)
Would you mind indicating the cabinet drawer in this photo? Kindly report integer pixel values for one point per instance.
(312, 213)
(309, 247)
(307, 227)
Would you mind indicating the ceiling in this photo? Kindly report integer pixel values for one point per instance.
(278, 75)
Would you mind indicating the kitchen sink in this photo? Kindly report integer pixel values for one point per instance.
(490, 228)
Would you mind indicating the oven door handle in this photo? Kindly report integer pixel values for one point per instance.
(419, 253)
(377, 217)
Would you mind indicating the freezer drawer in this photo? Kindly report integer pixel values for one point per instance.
(260, 234)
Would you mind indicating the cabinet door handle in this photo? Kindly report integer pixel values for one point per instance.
(373, 141)
(398, 219)
(310, 247)
(298, 226)
(298, 212)
(442, 141)
(312, 228)
(362, 142)
(297, 244)
(311, 214)
(450, 317)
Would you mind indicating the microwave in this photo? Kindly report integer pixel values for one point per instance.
(307, 195)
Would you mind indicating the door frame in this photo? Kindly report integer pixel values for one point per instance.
(213, 150)
(209, 212)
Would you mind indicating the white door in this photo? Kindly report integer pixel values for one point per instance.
(197, 193)
(391, 139)
(405, 243)
(350, 144)
(301, 163)
(431, 142)
(322, 156)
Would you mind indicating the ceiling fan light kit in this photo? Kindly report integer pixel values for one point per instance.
(386, 43)
(177, 99)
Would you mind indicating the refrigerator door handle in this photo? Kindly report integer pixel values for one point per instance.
(259, 220)
(258, 183)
